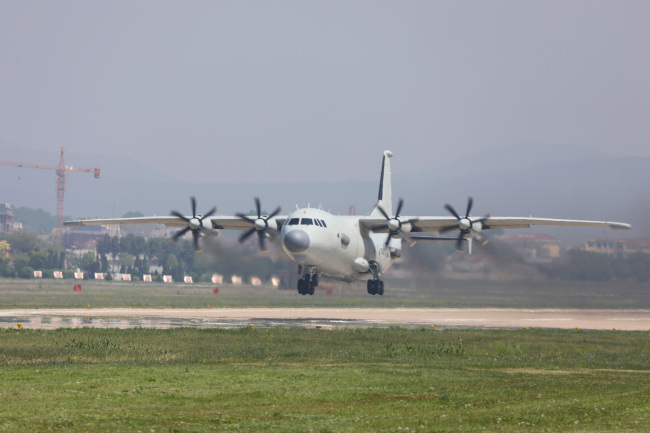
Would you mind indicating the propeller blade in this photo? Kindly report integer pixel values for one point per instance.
(193, 201)
(274, 213)
(258, 205)
(383, 212)
(399, 207)
(388, 239)
(246, 235)
(452, 210)
(180, 215)
(447, 229)
(262, 241)
(481, 219)
(403, 236)
(470, 203)
(195, 236)
(245, 217)
(180, 233)
(210, 212)
(459, 242)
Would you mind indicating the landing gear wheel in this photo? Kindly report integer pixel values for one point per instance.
(311, 288)
(302, 287)
(314, 280)
(374, 287)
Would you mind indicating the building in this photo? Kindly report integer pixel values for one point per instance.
(619, 248)
(535, 248)
(7, 223)
(86, 237)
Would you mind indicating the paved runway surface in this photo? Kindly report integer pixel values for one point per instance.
(326, 318)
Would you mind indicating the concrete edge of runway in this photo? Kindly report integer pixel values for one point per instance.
(52, 318)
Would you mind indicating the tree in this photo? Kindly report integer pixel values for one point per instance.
(126, 260)
(23, 241)
(104, 264)
(89, 263)
(5, 249)
(38, 259)
(35, 219)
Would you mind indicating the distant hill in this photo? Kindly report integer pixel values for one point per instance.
(544, 181)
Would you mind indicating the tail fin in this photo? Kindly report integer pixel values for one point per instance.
(385, 198)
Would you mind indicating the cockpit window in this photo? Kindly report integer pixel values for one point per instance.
(294, 221)
(307, 222)
(323, 223)
(317, 222)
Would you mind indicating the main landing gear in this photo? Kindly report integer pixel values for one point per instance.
(375, 287)
(308, 283)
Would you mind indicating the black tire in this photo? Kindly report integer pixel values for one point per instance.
(302, 289)
(311, 288)
(381, 288)
(315, 280)
(373, 287)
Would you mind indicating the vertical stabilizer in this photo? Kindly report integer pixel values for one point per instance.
(385, 198)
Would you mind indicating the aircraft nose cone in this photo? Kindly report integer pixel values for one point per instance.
(296, 241)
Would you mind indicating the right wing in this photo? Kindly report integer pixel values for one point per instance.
(216, 222)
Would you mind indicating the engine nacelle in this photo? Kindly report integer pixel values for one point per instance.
(361, 265)
(477, 227)
(406, 227)
(272, 224)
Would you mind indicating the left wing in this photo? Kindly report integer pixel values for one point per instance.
(434, 224)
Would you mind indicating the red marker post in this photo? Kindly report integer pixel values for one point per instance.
(215, 291)
(77, 288)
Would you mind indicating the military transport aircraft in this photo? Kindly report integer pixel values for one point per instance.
(348, 248)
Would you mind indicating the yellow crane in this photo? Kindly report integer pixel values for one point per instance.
(61, 172)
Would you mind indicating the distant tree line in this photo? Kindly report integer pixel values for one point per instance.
(137, 255)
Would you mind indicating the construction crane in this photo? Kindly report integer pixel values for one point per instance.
(61, 172)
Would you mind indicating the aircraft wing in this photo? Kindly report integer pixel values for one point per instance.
(217, 222)
(517, 222)
(434, 223)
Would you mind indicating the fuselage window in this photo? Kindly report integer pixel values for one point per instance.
(307, 222)
(323, 223)
(294, 221)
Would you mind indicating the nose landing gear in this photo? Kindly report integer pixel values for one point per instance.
(375, 287)
(308, 283)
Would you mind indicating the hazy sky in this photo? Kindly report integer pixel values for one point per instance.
(251, 91)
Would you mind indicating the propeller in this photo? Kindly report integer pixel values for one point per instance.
(195, 224)
(468, 226)
(396, 226)
(260, 225)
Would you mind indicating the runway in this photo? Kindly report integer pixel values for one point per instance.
(625, 320)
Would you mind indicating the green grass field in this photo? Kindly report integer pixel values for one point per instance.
(16, 293)
(342, 380)
(295, 379)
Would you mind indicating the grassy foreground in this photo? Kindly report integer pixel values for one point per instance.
(294, 379)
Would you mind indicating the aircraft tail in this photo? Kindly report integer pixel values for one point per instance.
(385, 198)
